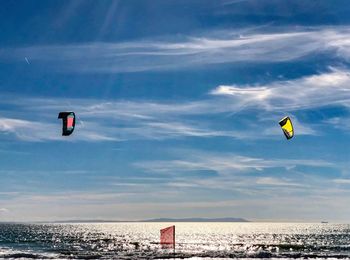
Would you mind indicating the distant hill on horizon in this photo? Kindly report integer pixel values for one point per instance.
(196, 220)
(228, 219)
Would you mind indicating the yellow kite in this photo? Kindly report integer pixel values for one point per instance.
(287, 127)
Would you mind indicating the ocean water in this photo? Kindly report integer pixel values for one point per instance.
(193, 241)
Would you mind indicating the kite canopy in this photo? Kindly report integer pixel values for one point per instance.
(287, 127)
(167, 237)
(68, 120)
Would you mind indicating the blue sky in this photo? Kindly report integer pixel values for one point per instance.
(178, 104)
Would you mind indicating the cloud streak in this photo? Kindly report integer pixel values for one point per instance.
(225, 164)
(26, 130)
(190, 51)
(331, 88)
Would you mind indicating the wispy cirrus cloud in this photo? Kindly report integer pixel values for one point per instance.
(34, 131)
(27, 130)
(223, 163)
(272, 45)
(270, 181)
(331, 88)
(246, 176)
(136, 195)
(342, 181)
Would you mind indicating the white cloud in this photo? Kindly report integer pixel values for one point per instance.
(331, 88)
(277, 182)
(225, 164)
(341, 123)
(342, 181)
(229, 47)
(3, 210)
(40, 131)
(27, 130)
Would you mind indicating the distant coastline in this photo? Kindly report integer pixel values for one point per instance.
(154, 220)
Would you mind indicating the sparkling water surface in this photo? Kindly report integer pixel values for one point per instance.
(193, 241)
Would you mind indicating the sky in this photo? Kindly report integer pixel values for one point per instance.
(177, 104)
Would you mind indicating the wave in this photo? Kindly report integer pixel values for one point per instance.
(253, 251)
(149, 255)
(9, 253)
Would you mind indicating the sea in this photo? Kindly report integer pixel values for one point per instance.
(193, 241)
